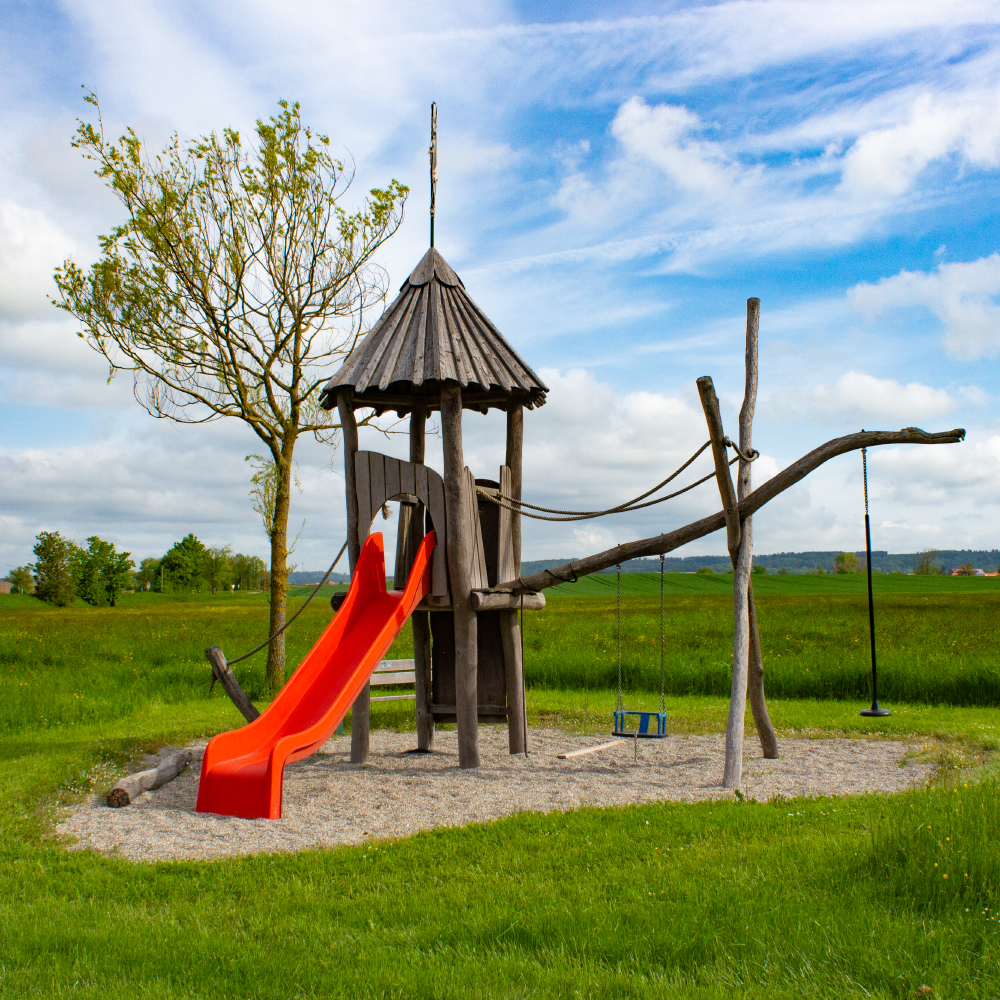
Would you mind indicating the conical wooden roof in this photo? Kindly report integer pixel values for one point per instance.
(431, 334)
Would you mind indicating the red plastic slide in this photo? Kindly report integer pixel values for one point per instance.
(242, 770)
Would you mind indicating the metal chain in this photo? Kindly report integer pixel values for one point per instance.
(620, 706)
(864, 466)
(661, 632)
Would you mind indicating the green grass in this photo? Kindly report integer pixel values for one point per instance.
(819, 898)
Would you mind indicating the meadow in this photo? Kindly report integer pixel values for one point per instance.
(867, 897)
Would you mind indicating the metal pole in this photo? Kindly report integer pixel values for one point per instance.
(434, 164)
(874, 710)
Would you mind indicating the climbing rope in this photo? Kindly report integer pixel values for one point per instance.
(267, 642)
(518, 506)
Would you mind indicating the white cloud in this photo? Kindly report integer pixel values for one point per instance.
(864, 397)
(962, 295)
(31, 246)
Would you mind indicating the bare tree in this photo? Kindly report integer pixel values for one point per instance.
(236, 282)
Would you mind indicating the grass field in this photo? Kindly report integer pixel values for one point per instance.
(866, 897)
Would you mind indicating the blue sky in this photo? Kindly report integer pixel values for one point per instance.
(615, 181)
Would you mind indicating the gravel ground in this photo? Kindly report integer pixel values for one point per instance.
(329, 801)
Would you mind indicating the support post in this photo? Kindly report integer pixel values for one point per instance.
(420, 621)
(740, 543)
(515, 447)
(755, 672)
(510, 630)
(361, 710)
(460, 545)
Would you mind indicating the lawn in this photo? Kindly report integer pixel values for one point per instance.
(873, 896)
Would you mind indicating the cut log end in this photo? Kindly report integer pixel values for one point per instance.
(118, 797)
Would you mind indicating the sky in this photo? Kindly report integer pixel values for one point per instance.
(615, 180)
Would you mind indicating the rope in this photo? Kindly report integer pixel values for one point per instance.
(611, 510)
(267, 642)
(661, 632)
(620, 705)
(502, 500)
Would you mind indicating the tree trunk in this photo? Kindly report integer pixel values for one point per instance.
(279, 568)
(755, 676)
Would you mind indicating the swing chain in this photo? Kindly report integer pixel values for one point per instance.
(620, 705)
(661, 633)
(864, 466)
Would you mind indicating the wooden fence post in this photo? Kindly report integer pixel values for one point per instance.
(460, 550)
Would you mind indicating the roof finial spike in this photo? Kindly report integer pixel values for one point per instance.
(434, 163)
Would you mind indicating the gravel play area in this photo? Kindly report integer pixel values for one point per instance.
(329, 801)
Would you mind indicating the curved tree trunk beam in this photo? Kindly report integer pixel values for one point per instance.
(223, 673)
(671, 540)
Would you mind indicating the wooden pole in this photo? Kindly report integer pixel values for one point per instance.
(420, 619)
(515, 448)
(740, 540)
(510, 630)
(670, 540)
(755, 672)
(361, 710)
(223, 673)
(459, 562)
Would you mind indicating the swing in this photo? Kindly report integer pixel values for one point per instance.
(645, 718)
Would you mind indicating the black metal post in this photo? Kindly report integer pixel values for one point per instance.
(874, 710)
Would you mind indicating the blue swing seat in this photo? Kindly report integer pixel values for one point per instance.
(643, 731)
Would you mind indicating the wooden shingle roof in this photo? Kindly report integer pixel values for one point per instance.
(434, 333)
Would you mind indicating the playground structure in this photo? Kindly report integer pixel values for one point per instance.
(459, 549)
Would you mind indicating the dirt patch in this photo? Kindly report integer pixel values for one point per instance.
(329, 801)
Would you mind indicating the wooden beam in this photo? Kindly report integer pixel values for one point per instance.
(671, 540)
(420, 623)
(223, 673)
(361, 710)
(585, 750)
(515, 450)
(460, 550)
(486, 601)
(755, 666)
(710, 404)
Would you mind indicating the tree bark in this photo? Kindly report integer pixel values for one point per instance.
(755, 671)
(459, 560)
(279, 566)
(671, 540)
(361, 709)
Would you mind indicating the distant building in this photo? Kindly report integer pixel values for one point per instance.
(5, 586)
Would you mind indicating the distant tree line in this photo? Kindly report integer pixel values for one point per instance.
(64, 571)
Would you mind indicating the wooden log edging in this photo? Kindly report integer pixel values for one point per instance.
(126, 790)
(671, 540)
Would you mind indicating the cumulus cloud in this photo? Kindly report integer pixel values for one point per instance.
(31, 246)
(963, 296)
(863, 397)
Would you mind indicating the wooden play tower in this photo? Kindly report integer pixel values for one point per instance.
(434, 349)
